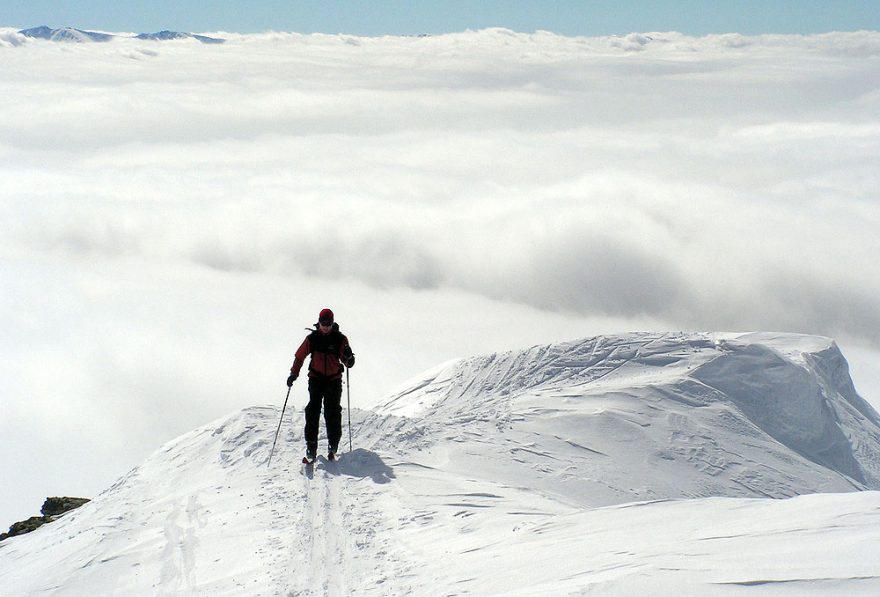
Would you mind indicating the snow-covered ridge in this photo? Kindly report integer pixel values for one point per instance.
(488, 485)
(647, 416)
(71, 34)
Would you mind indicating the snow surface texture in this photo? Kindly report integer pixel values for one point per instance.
(553, 470)
(649, 416)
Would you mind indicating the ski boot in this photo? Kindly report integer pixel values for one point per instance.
(311, 455)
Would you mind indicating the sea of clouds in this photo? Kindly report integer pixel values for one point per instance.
(173, 214)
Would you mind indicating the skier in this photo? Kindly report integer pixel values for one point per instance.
(330, 351)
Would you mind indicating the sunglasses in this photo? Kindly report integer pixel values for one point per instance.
(325, 324)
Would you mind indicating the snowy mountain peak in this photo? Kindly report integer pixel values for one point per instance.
(167, 35)
(69, 34)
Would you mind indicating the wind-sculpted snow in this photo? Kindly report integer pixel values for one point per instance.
(646, 416)
(482, 476)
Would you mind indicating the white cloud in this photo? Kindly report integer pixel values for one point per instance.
(172, 214)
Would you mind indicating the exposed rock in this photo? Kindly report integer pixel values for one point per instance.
(26, 526)
(52, 508)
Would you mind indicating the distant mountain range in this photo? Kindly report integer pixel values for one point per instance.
(70, 34)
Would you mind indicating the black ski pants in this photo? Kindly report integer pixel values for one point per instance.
(330, 392)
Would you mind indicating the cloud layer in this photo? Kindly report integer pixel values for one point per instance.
(161, 198)
(720, 182)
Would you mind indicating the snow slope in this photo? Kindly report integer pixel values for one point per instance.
(649, 416)
(553, 470)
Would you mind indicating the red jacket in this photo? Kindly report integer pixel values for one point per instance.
(328, 353)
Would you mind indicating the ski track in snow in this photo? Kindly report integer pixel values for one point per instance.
(326, 561)
(324, 540)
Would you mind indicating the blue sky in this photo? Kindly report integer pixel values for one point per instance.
(401, 17)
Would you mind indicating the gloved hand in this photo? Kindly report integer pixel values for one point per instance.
(348, 357)
(291, 379)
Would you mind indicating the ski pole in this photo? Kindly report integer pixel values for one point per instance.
(279, 427)
(348, 393)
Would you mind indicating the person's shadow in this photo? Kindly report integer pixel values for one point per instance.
(359, 463)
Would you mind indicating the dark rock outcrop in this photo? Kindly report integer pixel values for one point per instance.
(55, 506)
(52, 508)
